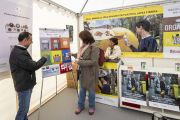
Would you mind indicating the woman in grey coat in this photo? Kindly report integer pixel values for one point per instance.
(87, 64)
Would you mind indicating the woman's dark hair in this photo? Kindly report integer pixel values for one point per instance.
(86, 37)
(24, 35)
(114, 40)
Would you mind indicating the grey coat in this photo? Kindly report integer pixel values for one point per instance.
(90, 67)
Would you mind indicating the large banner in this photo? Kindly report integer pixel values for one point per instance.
(15, 17)
(163, 90)
(171, 30)
(55, 43)
(133, 87)
(122, 25)
(107, 89)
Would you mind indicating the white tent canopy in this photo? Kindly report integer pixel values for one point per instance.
(87, 6)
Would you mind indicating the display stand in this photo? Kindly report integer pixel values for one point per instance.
(149, 109)
(75, 84)
(55, 95)
(40, 100)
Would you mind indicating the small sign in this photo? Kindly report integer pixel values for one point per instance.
(130, 68)
(177, 67)
(143, 65)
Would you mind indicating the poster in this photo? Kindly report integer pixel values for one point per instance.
(164, 31)
(163, 90)
(171, 30)
(15, 17)
(177, 66)
(133, 87)
(70, 28)
(55, 44)
(122, 25)
(107, 89)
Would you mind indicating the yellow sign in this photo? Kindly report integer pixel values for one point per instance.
(171, 39)
(142, 54)
(124, 13)
(109, 65)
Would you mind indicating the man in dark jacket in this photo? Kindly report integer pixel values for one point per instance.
(105, 89)
(23, 73)
(148, 42)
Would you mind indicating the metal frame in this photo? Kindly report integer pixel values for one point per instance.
(59, 6)
(109, 9)
(131, 7)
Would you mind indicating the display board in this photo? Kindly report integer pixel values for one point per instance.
(171, 29)
(55, 44)
(107, 89)
(70, 28)
(163, 90)
(164, 29)
(133, 87)
(15, 17)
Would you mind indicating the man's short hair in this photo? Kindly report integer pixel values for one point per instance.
(145, 25)
(24, 35)
(105, 78)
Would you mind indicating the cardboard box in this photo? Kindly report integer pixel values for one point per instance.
(69, 76)
(74, 68)
(70, 84)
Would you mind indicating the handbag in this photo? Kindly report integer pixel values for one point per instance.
(78, 72)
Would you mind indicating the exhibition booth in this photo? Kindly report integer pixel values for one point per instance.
(55, 25)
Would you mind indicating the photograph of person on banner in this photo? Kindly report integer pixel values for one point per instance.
(133, 82)
(113, 51)
(105, 89)
(107, 82)
(163, 87)
(148, 42)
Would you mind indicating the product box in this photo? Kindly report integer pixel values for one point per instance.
(70, 83)
(177, 67)
(69, 76)
(143, 65)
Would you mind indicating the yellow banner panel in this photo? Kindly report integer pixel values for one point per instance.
(124, 13)
(109, 65)
(171, 39)
(142, 54)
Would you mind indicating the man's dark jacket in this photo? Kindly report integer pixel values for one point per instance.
(23, 68)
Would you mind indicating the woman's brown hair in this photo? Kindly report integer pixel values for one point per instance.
(86, 37)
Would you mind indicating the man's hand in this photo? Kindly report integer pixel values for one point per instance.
(106, 57)
(45, 56)
(128, 43)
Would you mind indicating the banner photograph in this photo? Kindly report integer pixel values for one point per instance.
(15, 18)
(163, 90)
(138, 31)
(134, 87)
(107, 89)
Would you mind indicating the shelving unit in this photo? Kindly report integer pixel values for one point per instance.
(149, 109)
